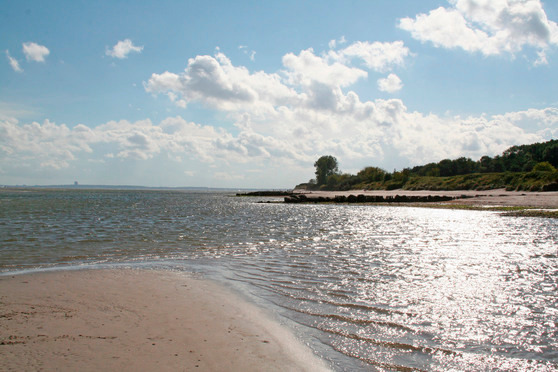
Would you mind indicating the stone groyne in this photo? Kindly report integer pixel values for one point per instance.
(360, 198)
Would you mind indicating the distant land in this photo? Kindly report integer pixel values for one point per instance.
(519, 168)
(125, 187)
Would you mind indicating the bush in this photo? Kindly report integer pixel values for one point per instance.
(544, 167)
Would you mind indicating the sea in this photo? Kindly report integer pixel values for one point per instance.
(367, 288)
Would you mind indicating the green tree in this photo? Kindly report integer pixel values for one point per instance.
(371, 174)
(550, 154)
(447, 168)
(465, 166)
(544, 167)
(325, 166)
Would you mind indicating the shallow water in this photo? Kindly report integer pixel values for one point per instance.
(388, 288)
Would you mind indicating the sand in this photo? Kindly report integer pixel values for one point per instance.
(138, 320)
(498, 197)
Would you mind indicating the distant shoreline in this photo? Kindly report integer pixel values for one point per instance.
(124, 187)
(497, 197)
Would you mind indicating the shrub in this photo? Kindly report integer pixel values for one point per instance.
(544, 167)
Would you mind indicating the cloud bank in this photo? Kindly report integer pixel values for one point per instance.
(284, 119)
(490, 27)
(292, 136)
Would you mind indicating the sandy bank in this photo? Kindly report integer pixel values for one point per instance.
(499, 197)
(138, 320)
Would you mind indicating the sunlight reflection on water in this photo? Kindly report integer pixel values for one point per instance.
(428, 289)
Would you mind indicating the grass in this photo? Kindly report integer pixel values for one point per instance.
(533, 213)
(519, 181)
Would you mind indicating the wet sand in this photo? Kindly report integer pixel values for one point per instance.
(138, 320)
(498, 197)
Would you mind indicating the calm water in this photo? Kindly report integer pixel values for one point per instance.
(368, 288)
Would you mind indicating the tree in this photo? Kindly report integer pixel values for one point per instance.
(447, 168)
(371, 174)
(325, 167)
(550, 154)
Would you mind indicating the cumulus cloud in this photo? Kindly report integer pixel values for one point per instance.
(428, 138)
(307, 68)
(391, 84)
(490, 27)
(376, 56)
(214, 81)
(367, 133)
(13, 62)
(307, 79)
(35, 52)
(55, 145)
(304, 111)
(48, 144)
(283, 121)
(121, 49)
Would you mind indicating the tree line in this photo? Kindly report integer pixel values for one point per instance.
(530, 167)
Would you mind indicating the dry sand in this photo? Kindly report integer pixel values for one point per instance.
(138, 320)
(498, 197)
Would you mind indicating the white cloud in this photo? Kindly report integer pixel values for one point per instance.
(35, 52)
(307, 79)
(391, 84)
(428, 138)
(293, 137)
(307, 68)
(217, 83)
(283, 122)
(48, 144)
(541, 60)
(358, 133)
(13, 62)
(376, 56)
(490, 27)
(333, 43)
(250, 53)
(121, 49)
(304, 112)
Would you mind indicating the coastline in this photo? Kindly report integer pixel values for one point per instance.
(488, 198)
(130, 319)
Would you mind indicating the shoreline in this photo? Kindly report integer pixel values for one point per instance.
(488, 198)
(137, 319)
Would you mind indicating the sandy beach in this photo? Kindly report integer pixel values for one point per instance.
(497, 197)
(138, 320)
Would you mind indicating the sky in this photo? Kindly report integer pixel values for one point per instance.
(249, 94)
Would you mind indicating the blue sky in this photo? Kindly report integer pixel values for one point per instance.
(251, 93)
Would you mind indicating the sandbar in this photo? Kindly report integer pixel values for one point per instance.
(139, 320)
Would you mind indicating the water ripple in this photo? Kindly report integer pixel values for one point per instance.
(371, 287)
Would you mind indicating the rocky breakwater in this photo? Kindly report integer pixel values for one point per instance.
(304, 198)
(268, 193)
